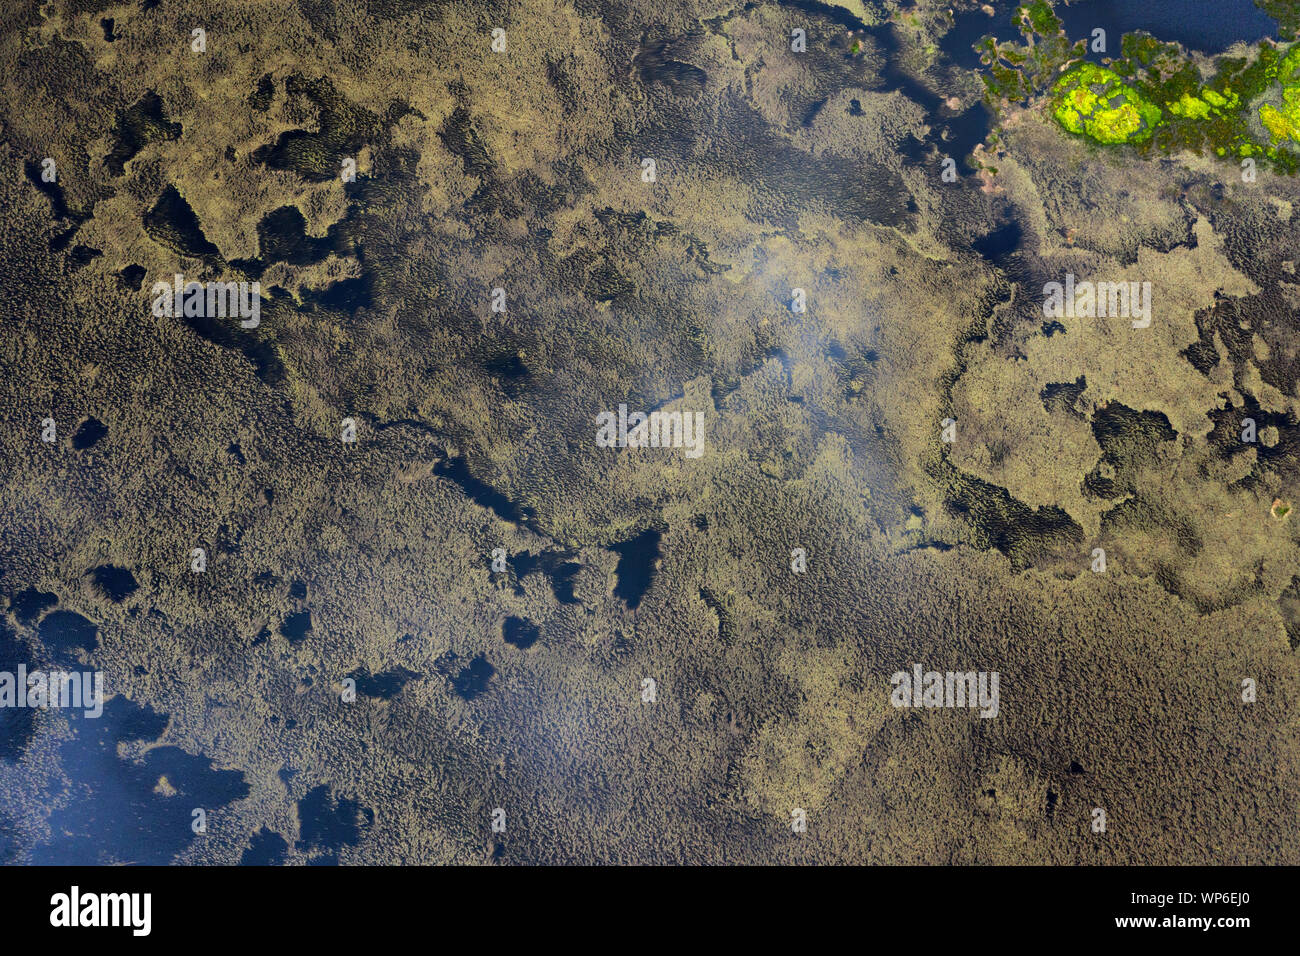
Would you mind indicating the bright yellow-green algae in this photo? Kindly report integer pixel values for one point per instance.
(1284, 123)
(1227, 100)
(1095, 102)
(1153, 96)
(1190, 107)
(1281, 124)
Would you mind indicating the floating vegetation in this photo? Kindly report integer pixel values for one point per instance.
(1016, 73)
(1153, 96)
(1096, 102)
(1282, 120)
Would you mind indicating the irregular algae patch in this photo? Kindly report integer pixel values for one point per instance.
(1283, 120)
(1095, 102)
(1154, 96)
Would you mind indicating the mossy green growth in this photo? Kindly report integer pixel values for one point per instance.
(1016, 71)
(1093, 101)
(1041, 17)
(1289, 66)
(1227, 100)
(1191, 107)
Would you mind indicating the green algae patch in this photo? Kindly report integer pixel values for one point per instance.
(1191, 107)
(1281, 124)
(1154, 97)
(1289, 66)
(1283, 120)
(1040, 16)
(1095, 102)
(1227, 100)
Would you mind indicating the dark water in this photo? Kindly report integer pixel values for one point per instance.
(1210, 26)
(520, 632)
(474, 678)
(90, 432)
(457, 469)
(116, 584)
(296, 626)
(329, 823)
(58, 207)
(382, 686)
(556, 565)
(29, 604)
(65, 632)
(80, 256)
(17, 724)
(282, 237)
(132, 277)
(117, 812)
(997, 245)
(265, 849)
(171, 222)
(638, 558)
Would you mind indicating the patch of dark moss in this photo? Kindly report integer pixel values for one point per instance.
(1062, 398)
(1130, 441)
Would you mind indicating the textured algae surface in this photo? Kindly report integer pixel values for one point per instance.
(481, 686)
